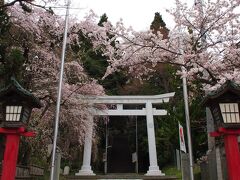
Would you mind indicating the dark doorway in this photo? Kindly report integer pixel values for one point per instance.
(120, 156)
(119, 152)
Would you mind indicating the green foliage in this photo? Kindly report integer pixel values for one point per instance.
(166, 127)
(4, 27)
(25, 7)
(157, 22)
(103, 19)
(96, 64)
(11, 59)
(4, 22)
(198, 127)
(14, 61)
(173, 171)
(12, 65)
(167, 135)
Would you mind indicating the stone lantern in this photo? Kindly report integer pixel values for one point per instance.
(16, 104)
(224, 106)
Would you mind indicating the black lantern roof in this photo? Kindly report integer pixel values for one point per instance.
(15, 89)
(229, 90)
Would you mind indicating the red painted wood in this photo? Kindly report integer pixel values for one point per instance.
(28, 134)
(231, 149)
(223, 131)
(232, 156)
(215, 134)
(10, 157)
(229, 131)
(12, 131)
(11, 151)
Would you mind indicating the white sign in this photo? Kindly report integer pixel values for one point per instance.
(49, 149)
(181, 138)
(104, 157)
(134, 157)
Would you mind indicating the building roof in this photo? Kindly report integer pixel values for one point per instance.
(228, 86)
(15, 88)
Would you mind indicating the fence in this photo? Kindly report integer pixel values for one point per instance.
(27, 172)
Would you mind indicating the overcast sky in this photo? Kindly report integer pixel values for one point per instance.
(136, 13)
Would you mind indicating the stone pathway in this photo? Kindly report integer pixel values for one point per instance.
(119, 179)
(122, 177)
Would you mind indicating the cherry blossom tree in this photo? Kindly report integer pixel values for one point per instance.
(36, 37)
(205, 41)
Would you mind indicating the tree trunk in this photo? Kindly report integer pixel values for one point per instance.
(25, 153)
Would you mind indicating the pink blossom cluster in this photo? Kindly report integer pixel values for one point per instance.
(205, 41)
(41, 33)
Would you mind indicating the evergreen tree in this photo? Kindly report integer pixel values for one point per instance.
(103, 19)
(11, 59)
(96, 64)
(159, 25)
(157, 22)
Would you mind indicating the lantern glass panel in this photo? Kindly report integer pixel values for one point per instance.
(230, 112)
(13, 113)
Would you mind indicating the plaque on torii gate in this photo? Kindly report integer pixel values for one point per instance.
(120, 101)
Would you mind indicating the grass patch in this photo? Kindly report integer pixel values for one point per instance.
(173, 171)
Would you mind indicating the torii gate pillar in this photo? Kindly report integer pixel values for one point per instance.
(86, 169)
(153, 168)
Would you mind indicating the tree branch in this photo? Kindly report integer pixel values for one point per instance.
(25, 1)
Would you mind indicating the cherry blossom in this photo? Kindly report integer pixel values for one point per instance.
(39, 33)
(205, 41)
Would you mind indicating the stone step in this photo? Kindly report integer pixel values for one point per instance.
(118, 179)
(122, 177)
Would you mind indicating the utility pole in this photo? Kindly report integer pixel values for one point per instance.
(136, 144)
(210, 124)
(106, 149)
(186, 106)
(185, 94)
(209, 119)
(188, 125)
(59, 93)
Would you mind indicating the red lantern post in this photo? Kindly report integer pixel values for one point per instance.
(231, 150)
(11, 150)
